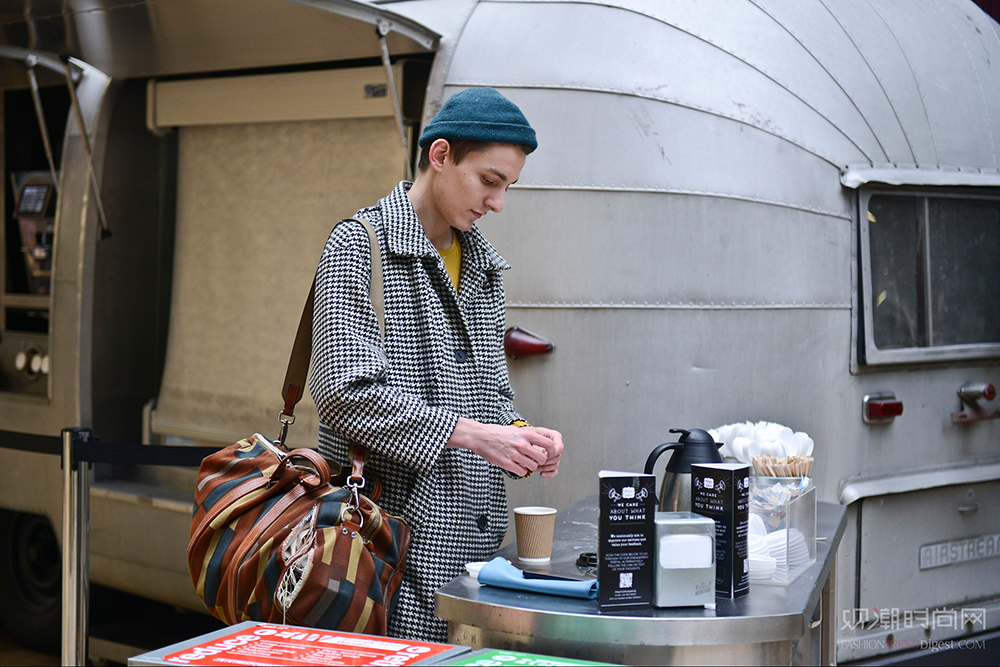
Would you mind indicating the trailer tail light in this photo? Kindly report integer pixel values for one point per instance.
(518, 343)
(881, 408)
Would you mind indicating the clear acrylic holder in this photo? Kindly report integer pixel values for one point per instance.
(788, 514)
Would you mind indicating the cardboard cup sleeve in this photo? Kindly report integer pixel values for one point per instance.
(534, 527)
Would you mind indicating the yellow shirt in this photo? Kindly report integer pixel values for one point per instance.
(453, 259)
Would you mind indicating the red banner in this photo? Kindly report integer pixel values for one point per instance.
(285, 645)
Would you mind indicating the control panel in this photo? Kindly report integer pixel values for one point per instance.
(24, 321)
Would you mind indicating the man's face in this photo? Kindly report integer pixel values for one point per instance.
(477, 185)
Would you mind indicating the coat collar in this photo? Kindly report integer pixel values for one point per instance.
(405, 235)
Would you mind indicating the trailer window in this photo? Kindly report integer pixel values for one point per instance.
(930, 275)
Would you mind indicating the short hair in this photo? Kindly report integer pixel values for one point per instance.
(460, 148)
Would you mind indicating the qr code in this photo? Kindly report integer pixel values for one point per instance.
(625, 580)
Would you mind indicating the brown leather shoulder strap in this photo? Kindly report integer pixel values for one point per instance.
(293, 387)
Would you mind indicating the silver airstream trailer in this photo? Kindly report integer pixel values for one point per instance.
(782, 210)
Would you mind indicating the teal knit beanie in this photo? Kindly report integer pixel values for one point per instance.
(480, 114)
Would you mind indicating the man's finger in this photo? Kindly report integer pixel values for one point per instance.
(542, 442)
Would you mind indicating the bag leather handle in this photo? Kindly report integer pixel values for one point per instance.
(315, 473)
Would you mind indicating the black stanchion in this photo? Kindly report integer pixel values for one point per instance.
(80, 449)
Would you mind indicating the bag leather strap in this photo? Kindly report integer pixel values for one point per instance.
(298, 363)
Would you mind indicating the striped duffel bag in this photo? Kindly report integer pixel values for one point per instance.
(274, 538)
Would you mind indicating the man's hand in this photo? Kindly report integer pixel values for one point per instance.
(518, 450)
(550, 468)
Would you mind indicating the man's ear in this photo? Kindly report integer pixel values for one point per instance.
(438, 153)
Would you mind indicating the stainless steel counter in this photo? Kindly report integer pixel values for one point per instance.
(772, 625)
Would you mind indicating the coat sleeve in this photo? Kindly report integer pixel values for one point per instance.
(350, 368)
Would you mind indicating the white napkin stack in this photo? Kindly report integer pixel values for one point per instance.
(762, 564)
(769, 552)
(745, 440)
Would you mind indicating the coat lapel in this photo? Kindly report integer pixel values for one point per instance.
(405, 236)
(480, 261)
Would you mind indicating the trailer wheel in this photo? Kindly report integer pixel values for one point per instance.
(30, 581)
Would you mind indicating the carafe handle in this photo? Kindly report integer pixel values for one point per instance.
(655, 454)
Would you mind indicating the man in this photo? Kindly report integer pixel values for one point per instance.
(433, 404)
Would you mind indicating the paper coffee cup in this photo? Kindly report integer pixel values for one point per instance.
(534, 527)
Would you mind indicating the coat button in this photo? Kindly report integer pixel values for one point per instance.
(461, 356)
(483, 522)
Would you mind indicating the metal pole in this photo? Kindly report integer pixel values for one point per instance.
(76, 514)
(30, 63)
(382, 29)
(828, 603)
(75, 104)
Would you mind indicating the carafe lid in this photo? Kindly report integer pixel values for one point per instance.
(698, 447)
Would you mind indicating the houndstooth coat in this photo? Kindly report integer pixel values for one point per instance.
(442, 358)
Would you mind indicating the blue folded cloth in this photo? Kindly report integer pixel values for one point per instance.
(498, 572)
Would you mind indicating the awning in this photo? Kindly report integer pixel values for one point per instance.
(165, 37)
(854, 176)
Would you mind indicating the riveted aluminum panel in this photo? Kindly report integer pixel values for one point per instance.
(660, 58)
(641, 145)
(620, 379)
(919, 59)
(843, 62)
(952, 73)
(669, 250)
(852, 80)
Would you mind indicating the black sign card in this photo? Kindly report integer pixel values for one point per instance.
(721, 491)
(626, 541)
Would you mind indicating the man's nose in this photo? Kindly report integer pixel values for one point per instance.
(495, 201)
